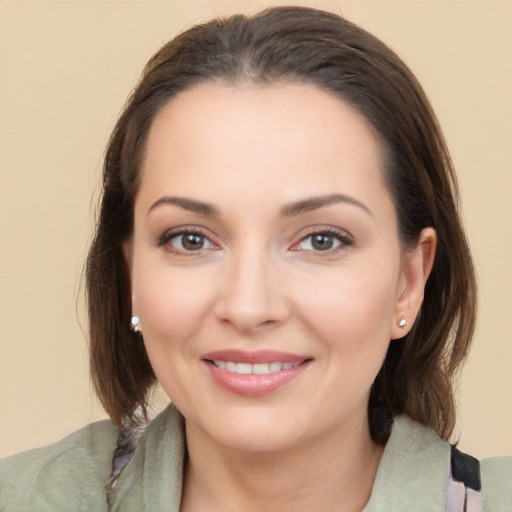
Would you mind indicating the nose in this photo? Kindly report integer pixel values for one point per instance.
(252, 297)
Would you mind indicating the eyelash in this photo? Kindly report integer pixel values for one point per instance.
(339, 236)
(169, 235)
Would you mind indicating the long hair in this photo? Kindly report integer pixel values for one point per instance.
(298, 45)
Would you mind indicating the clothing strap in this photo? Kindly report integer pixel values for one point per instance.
(464, 484)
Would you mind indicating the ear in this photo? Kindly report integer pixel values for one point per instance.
(416, 267)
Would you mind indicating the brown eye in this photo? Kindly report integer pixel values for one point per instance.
(322, 242)
(189, 242)
(192, 242)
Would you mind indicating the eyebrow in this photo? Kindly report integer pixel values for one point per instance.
(289, 210)
(316, 202)
(190, 205)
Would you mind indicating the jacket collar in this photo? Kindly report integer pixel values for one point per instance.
(412, 474)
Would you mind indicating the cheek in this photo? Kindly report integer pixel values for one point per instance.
(352, 309)
(171, 304)
(352, 322)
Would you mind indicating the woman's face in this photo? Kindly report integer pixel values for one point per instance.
(265, 263)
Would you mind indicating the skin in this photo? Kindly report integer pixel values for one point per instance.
(259, 283)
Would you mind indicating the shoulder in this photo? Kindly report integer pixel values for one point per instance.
(65, 476)
(497, 483)
(153, 477)
(414, 473)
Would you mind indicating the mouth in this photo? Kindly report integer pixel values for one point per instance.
(254, 373)
(254, 369)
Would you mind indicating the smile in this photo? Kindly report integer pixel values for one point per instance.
(254, 374)
(254, 369)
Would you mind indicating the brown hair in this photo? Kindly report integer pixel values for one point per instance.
(305, 45)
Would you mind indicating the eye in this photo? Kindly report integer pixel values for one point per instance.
(186, 241)
(322, 241)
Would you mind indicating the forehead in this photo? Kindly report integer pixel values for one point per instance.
(295, 138)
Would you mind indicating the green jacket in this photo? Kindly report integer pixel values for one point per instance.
(74, 473)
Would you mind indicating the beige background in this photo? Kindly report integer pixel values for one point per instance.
(66, 69)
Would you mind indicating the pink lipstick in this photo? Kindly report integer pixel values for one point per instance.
(254, 373)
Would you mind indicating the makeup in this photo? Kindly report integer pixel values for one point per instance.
(254, 373)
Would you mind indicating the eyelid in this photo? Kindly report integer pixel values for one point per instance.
(345, 239)
(169, 234)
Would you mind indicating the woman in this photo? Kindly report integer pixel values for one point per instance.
(279, 247)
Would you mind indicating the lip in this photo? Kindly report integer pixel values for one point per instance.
(254, 385)
(259, 356)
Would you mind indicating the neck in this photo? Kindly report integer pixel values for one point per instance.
(334, 473)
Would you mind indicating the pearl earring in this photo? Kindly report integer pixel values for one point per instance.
(402, 322)
(135, 324)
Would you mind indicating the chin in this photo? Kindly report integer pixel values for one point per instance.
(259, 440)
(250, 430)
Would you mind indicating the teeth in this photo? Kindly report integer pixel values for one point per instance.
(254, 369)
(261, 369)
(243, 368)
(275, 367)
